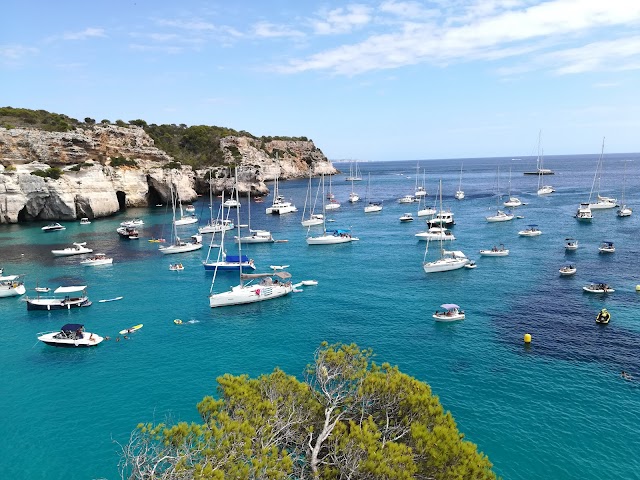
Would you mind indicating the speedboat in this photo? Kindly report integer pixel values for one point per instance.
(451, 313)
(373, 207)
(606, 247)
(604, 203)
(471, 265)
(442, 219)
(97, 259)
(571, 244)
(11, 286)
(603, 317)
(407, 217)
(53, 227)
(584, 212)
(215, 226)
(128, 232)
(256, 236)
(495, 252)
(68, 302)
(332, 237)
(136, 222)
(77, 249)
(407, 199)
(500, 216)
(436, 233)
(568, 270)
(85, 221)
(530, 231)
(176, 267)
(71, 335)
(598, 287)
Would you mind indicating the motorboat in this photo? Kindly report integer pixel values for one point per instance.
(190, 209)
(178, 246)
(442, 219)
(500, 216)
(603, 317)
(269, 286)
(176, 267)
(495, 252)
(135, 222)
(436, 233)
(11, 286)
(256, 236)
(570, 244)
(598, 287)
(53, 227)
(568, 270)
(530, 231)
(230, 262)
(85, 221)
(77, 249)
(606, 247)
(97, 259)
(215, 226)
(128, 232)
(451, 313)
(331, 237)
(603, 203)
(406, 217)
(71, 335)
(373, 207)
(231, 203)
(407, 199)
(584, 212)
(280, 207)
(471, 265)
(67, 302)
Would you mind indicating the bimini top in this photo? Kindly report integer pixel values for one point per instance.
(236, 258)
(339, 231)
(281, 275)
(72, 289)
(449, 306)
(9, 278)
(72, 327)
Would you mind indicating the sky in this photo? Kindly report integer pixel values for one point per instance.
(368, 80)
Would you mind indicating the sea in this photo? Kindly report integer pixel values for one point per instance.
(556, 408)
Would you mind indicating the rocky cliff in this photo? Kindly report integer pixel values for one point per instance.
(95, 182)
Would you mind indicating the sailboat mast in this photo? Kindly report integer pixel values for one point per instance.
(324, 212)
(238, 219)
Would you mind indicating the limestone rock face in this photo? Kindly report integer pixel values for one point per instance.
(91, 187)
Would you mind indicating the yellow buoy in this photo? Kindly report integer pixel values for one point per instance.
(637, 288)
(527, 338)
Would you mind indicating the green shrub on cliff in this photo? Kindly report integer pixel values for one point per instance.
(123, 162)
(53, 172)
(25, 118)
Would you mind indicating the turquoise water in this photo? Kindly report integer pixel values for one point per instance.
(557, 409)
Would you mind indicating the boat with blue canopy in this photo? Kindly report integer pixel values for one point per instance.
(451, 313)
(230, 262)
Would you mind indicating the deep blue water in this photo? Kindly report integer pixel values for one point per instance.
(556, 409)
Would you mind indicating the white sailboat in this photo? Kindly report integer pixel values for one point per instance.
(313, 218)
(252, 287)
(460, 193)
(184, 219)
(354, 175)
(512, 201)
(449, 260)
(542, 189)
(601, 202)
(333, 203)
(177, 245)
(11, 286)
(371, 206)
(218, 224)
(624, 210)
(353, 196)
(500, 216)
(330, 237)
(255, 236)
(279, 206)
(423, 210)
(420, 191)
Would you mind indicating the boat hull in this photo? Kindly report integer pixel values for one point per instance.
(57, 304)
(330, 240)
(241, 295)
(445, 265)
(312, 222)
(171, 249)
(11, 291)
(227, 266)
(443, 317)
(492, 253)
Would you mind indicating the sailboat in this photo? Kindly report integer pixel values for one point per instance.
(512, 201)
(460, 193)
(330, 237)
(624, 210)
(333, 203)
(218, 224)
(420, 191)
(184, 219)
(500, 216)
(602, 202)
(354, 175)
(279, 205)
(542, 189)
(256, 287)
(314, 218)
(177, 245)
(353, 196)
(255, 236)
(449, 260)
(371, 206)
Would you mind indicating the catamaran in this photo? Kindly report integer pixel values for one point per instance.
(279, 206)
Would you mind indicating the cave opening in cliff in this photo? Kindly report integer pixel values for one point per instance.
(153, 197)
(122, 200)
(22, 215)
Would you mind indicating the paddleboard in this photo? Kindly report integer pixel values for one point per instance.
(110, 299)
(309, 282)
(130, 330)
(177, 321)
(278, 267)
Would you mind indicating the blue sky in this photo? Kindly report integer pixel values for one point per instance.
(371, 80)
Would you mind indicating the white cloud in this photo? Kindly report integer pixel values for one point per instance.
(12, 53)
(476, 30)
(84, 34)
(342, 20)
(270, 30)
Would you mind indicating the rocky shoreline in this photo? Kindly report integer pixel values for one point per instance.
(93, 184)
